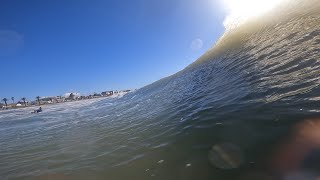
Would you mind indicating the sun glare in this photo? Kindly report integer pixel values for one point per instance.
(241, 10)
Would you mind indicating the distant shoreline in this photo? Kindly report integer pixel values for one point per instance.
(60, 100)
(50, 104)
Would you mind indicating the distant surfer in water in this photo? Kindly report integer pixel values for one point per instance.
(38, 110)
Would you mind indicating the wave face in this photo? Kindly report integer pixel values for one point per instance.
(239, 100)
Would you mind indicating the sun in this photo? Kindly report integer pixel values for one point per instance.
(241, 10)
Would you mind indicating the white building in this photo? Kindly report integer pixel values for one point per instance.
(75, 95)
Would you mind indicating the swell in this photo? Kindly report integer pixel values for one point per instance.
(269, 58)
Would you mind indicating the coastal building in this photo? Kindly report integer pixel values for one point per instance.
(47, 100)
(59, 99)
(107, 93)
(83, 97)
(20, 103)
(71, 96)
(95, 95)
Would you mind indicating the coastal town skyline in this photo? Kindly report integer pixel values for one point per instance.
(59, 94)
(14, 102)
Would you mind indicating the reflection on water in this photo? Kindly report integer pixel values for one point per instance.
(229, 115)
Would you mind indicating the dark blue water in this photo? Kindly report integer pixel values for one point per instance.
(225, 116)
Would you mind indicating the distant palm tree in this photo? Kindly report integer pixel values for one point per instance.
(5, 101)
(12, 98)
(24, 101)
(38, 98)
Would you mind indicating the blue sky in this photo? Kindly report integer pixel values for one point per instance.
(53, 47)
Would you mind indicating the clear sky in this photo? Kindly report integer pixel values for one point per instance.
(50, 47)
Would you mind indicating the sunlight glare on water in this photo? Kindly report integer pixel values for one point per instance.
(241, 10)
